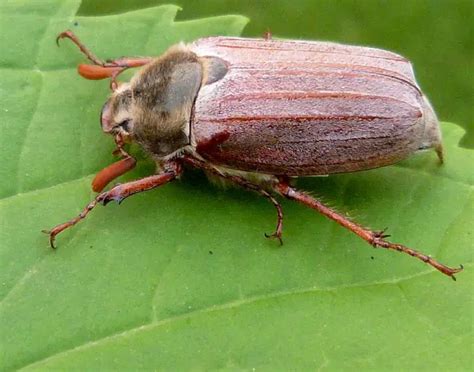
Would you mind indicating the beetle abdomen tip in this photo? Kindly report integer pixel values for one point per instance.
(432, 138)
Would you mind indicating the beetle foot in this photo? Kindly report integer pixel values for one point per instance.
(57, 230)
(114, 194)
(68, 34)
(52, 234)
(380, 242)
(275, 235)
(65, 34)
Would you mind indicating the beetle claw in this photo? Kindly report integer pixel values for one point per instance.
(381, 234)
(63, 35)
(112, 195)
(275, 235)
(455, 271)
(52, 236)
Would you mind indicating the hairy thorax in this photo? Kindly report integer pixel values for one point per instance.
(163, 95)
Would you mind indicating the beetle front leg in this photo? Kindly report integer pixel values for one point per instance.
(102, 69)
(68, 34)
(126, 62)
(118, 194)
(250, 186)
(375, 238)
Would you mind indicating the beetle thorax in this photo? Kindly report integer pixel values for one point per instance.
(154, 109)
(163, 95)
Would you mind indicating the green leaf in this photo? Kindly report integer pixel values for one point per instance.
(182, 277)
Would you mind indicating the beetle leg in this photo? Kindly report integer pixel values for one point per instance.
(126, 62)
(118, 194)
(253, 187)
(247, 185)
(279, 226)
(102, 69)
(68, 34)
(374, 238)
(381, 233)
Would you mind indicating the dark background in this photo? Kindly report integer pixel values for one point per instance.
(436, 35)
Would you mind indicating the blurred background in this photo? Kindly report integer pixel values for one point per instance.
(436, 35)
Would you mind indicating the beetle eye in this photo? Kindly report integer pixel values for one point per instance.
(124, 125)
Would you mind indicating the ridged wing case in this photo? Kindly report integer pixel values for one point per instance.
(301, 108)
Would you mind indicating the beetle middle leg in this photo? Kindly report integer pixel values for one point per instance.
(118, 194)
(374, 238)
(247, 185)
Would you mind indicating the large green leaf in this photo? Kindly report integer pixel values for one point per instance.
(181, 277)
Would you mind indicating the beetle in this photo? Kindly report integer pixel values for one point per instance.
(259, 112)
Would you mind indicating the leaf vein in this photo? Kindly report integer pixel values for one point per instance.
(222, 307)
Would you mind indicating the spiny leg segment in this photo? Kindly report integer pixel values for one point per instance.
(114, 170)
(118, 194)
(68, 34)
(102, 69)
(375, 238)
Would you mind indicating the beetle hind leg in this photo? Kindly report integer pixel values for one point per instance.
(63, 226)
(374, 238)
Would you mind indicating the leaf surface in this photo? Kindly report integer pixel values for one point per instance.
(182, 277)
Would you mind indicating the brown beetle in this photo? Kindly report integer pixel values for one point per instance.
(258, 112)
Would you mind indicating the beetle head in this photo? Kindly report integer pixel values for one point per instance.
(116, 115)
(154, 108)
